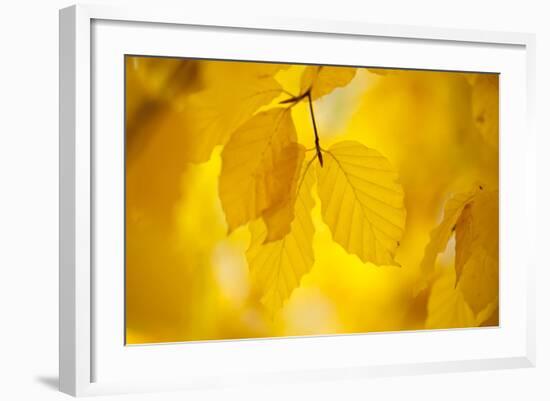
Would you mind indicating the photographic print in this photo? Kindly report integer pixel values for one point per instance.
(275, 200)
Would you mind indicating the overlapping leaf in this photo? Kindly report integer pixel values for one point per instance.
(361, 202)
(259, 165)
(237, 92)
(479, 281)
(464, 232)
(478, 278)
(473, 217)
(322, 80)
(277, 267)
(446, 305)
(261, 182)
(278, 217)
(442, 234)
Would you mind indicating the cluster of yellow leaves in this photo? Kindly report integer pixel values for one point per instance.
(270, 183)
(442, 130)
(266, 181)
(176, 112)
(472, 218)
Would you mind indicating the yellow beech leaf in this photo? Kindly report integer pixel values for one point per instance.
(323, 80)
(277, 267)
(464, 235)
(477, 271)
(361, 202)
(485, 94)
(238, 91)
(442, 234)
(446, 305)
(473, 218)
(279, 217)
(485, 212)
(479, 281)
(477, 227)
(258, 166)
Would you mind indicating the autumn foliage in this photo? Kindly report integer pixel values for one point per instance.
(270, 199)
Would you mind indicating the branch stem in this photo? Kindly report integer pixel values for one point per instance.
(317, 145)
(294, 99)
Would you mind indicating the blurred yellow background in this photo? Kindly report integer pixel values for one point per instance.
(186, 279)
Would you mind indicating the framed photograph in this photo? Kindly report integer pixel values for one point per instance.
(272, 200)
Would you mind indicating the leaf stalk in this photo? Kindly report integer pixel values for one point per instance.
(294, 100)
(317, 145)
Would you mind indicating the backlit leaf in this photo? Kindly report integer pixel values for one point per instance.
(446, 305)
(485, 212)
(478, 278)
(278, 217)
(237, 92)
(442, 234)
(473, 218)
(464, 232)
(277, 267)
(258, 167)
(361, 202)
(323, 79)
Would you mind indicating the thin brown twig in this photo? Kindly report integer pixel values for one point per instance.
(317, 145)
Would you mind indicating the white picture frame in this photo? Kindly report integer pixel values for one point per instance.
(92, 36)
